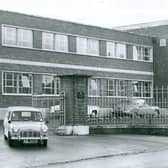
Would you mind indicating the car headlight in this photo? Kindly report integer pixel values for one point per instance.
(44, 128)
(15, 129)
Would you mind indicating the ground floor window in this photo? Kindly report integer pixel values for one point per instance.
(119, 88)
(23, 83)
(50, 85)
(17, 83)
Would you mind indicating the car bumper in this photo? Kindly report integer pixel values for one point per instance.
(29, 138)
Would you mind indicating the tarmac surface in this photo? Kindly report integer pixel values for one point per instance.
(100, 151)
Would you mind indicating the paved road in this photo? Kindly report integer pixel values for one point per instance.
(117, 151)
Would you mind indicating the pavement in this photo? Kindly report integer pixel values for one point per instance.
(63, 150)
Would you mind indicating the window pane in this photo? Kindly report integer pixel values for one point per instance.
(81, 45)
(147, 54)
(111, 88)
(50, 85)
(9, 35)
(104, 87)
(94, 87)
(48, 40)
(135, 53)
(24, 38)
(61, 42)
(110, 49)
(122, 87)
(25, 83)
(121, 51)
(147, 89)
(93, 46)
(142, 53)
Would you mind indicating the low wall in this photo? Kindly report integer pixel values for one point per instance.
(134, 130)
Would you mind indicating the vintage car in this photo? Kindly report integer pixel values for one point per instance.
(99, 112)
(25, 125)
(138, 108)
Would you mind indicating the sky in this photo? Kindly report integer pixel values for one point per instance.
(103, 13)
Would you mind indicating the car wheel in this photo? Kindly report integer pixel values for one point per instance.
(10, 141)
(45, 143)
(5, 138)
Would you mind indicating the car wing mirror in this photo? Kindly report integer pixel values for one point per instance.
(9, 121)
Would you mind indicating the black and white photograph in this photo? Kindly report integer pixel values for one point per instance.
(83, 84)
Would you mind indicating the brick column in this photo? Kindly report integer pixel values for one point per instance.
(76, 98)
(37, 89)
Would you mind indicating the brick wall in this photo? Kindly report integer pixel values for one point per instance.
(76, 98)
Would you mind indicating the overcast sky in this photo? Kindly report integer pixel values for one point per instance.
(105, 13)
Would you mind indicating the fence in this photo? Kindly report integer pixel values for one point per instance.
(53, 108)
(131, 111)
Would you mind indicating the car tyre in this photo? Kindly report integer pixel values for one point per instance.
(5, 138)
(10, 141)
(45, 143)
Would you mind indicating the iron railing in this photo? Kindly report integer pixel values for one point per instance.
(133, 111)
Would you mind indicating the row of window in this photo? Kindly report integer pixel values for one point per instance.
(120, 88)
(22, 83)
(53, 41)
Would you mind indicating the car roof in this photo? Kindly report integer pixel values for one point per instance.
(22, 108)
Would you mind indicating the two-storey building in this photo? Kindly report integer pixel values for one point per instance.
(43, 56)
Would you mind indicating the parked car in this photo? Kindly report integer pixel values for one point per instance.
(26, 125)
(99, 112)
(138, 107)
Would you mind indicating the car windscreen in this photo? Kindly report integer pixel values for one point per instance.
(26, 116)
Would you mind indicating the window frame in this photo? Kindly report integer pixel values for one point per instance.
(87, 50)
(17, 83)
(43, 41)
(116, 49)
(56, 89)
(139, 53)
(55, 47)
(16, 36)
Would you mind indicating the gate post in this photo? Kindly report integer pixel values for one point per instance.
(76, 101)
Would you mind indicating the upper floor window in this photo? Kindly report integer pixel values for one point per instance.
(48, 41)
(58, 42)
(24, 38)
(163, 42)
(110, 49)
(50, 85)
(17, 83)
(17, 36)
(142, 53)
(120, 50)
(61, 42)
(87, 46)
(116, 50)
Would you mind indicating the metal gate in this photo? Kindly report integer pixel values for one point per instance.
(52, 107)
